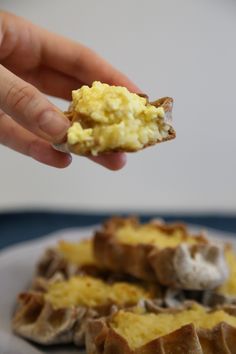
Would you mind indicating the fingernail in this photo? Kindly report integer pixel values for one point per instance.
(53, 124)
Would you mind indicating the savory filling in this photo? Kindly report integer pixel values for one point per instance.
(91, 292)
(79, 253)
(150, 234)
(139, 329)
(110, 117)
(229, 288)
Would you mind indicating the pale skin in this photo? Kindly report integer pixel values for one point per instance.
(35, 62)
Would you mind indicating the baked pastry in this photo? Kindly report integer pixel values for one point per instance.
(229, 287)
(108, 118)
(192, 330)
(57, 310)
(69, 258)
(166, 253)
(226, 293)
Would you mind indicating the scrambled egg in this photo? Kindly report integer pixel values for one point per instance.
(92, 292)
(229, 288)
(79, 253)
(108, 117)
(150, 234)
(151, 326)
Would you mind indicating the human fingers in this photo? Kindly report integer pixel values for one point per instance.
(35, 46)
(30, 108)
(53, 83)
(113, 161)
(80, 62)
(19, 139)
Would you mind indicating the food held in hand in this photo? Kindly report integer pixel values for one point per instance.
(108, 118)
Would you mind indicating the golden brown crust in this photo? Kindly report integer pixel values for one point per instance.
(36, 319)
(148, 262)
(124, 258)
(164, 263)
(186, 340)
(213, 298)
(132, 259)
(102, 339)
(165, 102)
(53, 262)
(220, 340)
(50, 263)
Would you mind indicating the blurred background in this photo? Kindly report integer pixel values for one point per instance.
(184, 49)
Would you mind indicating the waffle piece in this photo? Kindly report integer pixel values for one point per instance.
(58, 311)
(110, 118)
(166, 253)
(69, 258)
(226, 293)
(192, 330)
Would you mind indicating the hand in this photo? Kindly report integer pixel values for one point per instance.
(32, 62)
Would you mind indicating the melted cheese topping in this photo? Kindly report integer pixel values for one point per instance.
(150, 234)
(79, 253)
(139, 329)
(229, 288)
(90, 292)
(114, 118)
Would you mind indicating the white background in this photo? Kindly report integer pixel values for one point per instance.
(185, 49)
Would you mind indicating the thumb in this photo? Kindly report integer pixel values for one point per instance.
(30, 108)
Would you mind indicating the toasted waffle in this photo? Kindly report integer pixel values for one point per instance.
(191, 330)
(157, 251)
(57, 310)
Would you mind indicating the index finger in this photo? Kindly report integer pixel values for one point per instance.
(80, 62)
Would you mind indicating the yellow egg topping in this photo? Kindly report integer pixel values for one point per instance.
(79, 253)
(139, 329)
(150, 234)
(91, 292)
(229, 287)
(111, 117)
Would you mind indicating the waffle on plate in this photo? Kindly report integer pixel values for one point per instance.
(56, 310)
(167, 253)
(191, 330)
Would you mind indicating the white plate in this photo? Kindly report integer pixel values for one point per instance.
(16, 268)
